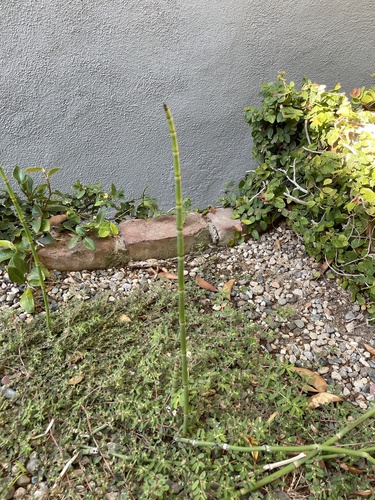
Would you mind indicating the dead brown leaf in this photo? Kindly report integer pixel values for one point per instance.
(205, 285)
(361, 493)
(323, 398)
(272, 417)
(168, 275)
(278, 245)
(227, 288)
(251, 441)
(55, 220)
(369, 348)
(351, 468)
(124, 318)
(315, 382)
(75, 380)
(325, 266)
(314, 429)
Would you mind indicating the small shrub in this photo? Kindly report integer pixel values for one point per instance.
(82, 212)
(316, 168)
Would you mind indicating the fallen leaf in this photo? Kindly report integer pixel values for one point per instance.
(154, 271)
(205, 285)
(323, 398)
(75, 380)
(314, 429)
(251, 441)
(272, 417)
(351, 468)
(313, 379)
(124, 318)
(369, 348)
(227, 288)
(361, 493)
(326, 265)
(56, 220)
(356, 92)
(168, 275)
(278, 245)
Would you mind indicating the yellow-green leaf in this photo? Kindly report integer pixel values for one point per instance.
(27, 301)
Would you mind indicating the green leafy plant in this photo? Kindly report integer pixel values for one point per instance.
(18, 270)
(362, 97)
(316, 154)
(82, 213)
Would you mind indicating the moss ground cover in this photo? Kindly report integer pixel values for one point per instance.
(104, 375)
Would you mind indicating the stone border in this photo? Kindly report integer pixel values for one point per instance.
(140, 240)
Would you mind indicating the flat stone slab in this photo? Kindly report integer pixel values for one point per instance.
(109, 252)
(221, 225)
(157, 238)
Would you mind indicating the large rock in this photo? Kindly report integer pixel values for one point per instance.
(221, 225)
(157, 238)
(109, 252)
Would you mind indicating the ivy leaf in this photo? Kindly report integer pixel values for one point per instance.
(52, 171)
(27, 301)
(19, 175)
(16, 275)
(89, 243)
(104, 230)
(368, 195)
(8, 244)
(34, 169)
(72, 243)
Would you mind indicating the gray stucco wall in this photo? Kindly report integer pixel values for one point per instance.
(83, 82)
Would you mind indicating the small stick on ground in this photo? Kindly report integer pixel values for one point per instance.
(96, 443)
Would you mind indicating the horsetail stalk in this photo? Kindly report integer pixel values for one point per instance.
(31, 243)
(180, 272)
(315, 452)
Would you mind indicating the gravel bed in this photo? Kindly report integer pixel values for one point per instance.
(314, 323)
(311, 322)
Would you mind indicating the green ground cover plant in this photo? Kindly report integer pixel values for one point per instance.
(316, 151)
(103, 376)
(32, 216)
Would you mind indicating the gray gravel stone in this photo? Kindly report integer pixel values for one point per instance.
(299, 323)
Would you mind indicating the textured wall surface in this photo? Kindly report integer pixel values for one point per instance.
(83, 82)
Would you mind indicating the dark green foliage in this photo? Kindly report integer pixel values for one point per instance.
(83, 211)
(316, 169)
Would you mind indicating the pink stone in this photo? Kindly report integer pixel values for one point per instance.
(109, 252)
(157, 238)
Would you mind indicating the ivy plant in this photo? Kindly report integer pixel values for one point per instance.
(82, 212)
(316, 151)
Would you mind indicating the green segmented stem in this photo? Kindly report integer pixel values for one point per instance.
(31, 243)
(314, 451)
(180, 257)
